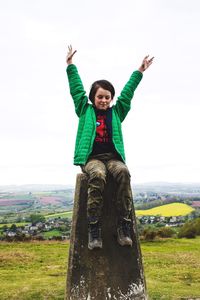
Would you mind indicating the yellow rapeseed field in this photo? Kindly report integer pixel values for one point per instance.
(168, 210)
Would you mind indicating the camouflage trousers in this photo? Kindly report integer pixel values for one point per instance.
(97, 168)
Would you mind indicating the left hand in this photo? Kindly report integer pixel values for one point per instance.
(145, 63)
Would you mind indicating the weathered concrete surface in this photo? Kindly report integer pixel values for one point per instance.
(114, 272)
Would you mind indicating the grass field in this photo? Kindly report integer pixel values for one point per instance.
(67, 214)
(37, 270)
(51, 233)
(33, 270)
(168, 210)
(17, 224)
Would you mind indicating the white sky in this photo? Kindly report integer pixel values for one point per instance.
(37, 120)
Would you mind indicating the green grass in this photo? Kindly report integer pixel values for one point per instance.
(37, 270)
(168, 210)
(17, 224)
(172, 268)
(33, 270)
(67, 214)
(51, 233)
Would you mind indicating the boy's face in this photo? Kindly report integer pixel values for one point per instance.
(102, 99)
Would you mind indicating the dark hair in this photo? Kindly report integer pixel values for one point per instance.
(104, 84)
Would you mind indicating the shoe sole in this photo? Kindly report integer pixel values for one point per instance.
(128, 242)
(96, 246)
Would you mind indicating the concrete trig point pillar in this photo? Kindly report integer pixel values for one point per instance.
(113, 272)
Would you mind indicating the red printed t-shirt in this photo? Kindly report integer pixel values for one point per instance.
(103, 140)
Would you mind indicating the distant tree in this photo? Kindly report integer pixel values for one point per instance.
(4, 221)
(197, 225)
(36, 218)
(19, 219)
(39, 237)
(187, 230)
(20, 237)
(140, 227)
(166, 232)
(57, 238)
(149, 234)
(4, 228)
(13, 228)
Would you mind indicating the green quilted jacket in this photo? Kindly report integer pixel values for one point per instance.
(87, 119)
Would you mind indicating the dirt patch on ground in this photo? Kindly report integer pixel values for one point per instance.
(15, 257)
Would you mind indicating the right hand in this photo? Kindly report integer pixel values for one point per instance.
(70, 54)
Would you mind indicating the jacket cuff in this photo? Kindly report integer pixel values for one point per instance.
(139, 74)
(70, 68)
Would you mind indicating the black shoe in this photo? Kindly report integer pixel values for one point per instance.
(124, 232)
(94, 235)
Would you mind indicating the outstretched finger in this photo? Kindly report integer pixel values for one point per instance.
(74, 52)
(151, 59)
(69, 48)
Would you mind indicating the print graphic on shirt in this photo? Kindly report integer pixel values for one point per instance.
(101, 130)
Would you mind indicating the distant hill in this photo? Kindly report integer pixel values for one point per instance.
(148, 186)
(168, 187)
(34, 187)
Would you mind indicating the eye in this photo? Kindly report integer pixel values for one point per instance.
(99, 96)
(107, 97)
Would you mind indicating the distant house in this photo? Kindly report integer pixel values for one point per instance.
(27, 227)
(48, 227)
(25, 232)
(56, 225)
(173, 220)
(33, 228)
(11, 234)
(64, 237)
(40, 225)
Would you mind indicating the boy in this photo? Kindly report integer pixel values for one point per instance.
(99, 147)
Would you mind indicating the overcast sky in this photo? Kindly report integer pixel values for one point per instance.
(37, 119)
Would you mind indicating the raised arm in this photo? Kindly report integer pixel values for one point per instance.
(123, 103)
(75, 84)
